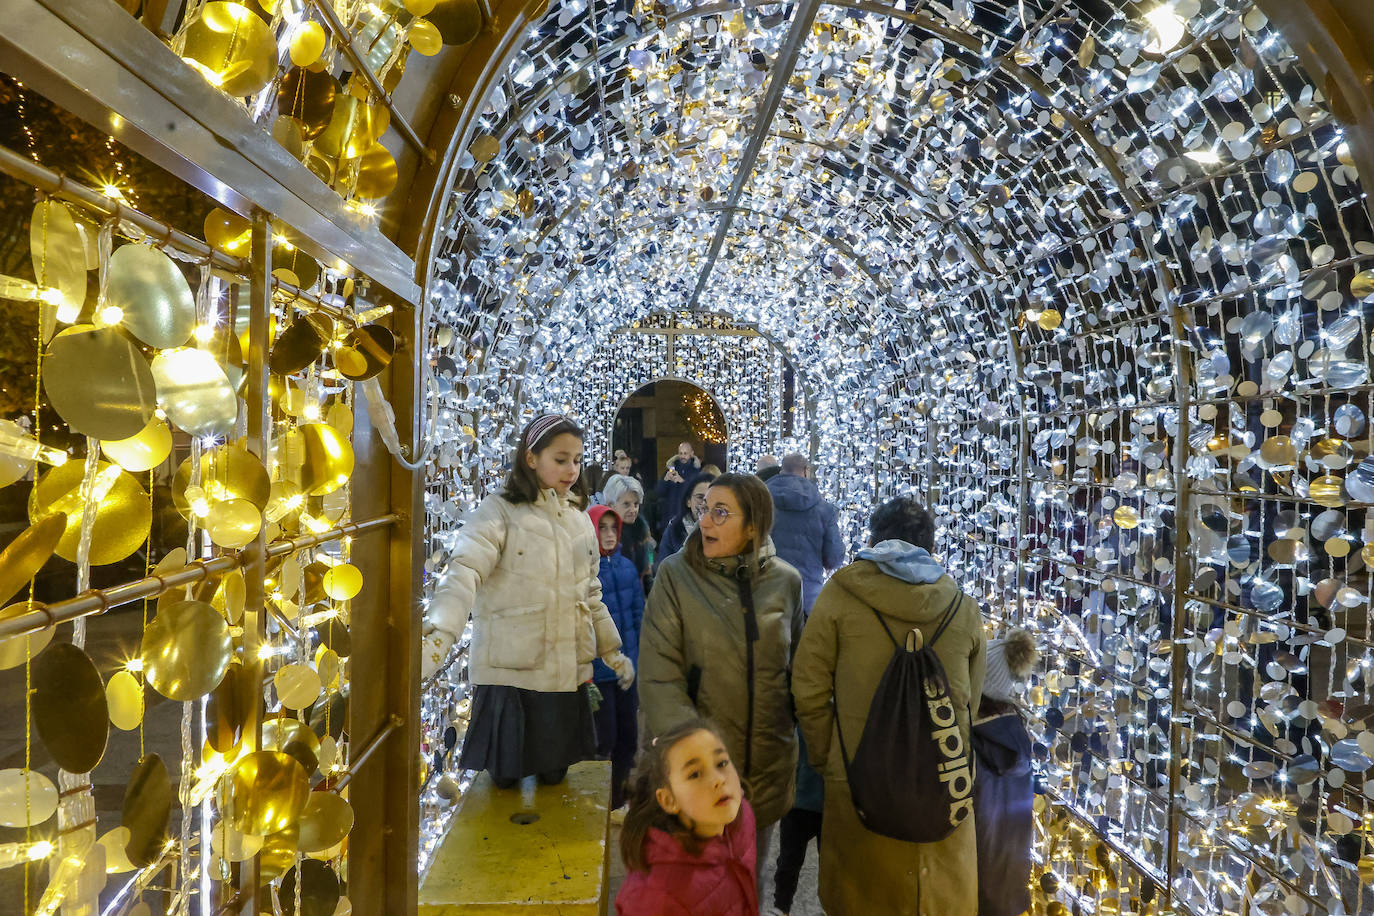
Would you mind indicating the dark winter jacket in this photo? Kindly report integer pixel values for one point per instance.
(1003, 810)
(624, 598)
(718, 882)
(670, 494)
(674, 536)
(805, 531)
(694, 661)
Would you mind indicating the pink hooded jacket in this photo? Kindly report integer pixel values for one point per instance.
(719, 882)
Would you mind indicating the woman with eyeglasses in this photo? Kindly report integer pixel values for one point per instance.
(721, 626)
(688, 516)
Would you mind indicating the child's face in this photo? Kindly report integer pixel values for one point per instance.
(703, 786)
(622, 466)
(559, 465)
(606, 531)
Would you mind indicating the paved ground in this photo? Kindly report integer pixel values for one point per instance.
(805, 904)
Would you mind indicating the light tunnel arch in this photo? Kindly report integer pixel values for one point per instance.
(1095, 367)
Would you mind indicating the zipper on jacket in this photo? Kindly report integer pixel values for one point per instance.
(751, 635)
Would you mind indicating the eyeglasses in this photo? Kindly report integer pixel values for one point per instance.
(720, 514)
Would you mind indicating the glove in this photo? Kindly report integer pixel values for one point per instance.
(624, 669)
(434, 651)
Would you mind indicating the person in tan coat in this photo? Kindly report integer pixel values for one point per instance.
(843, 654)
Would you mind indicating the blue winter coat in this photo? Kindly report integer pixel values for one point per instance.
(623, 593)
(1004, 812)
(806, 532)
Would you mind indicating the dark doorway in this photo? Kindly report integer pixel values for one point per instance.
(657, 417)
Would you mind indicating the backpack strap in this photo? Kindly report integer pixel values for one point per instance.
(948, 616)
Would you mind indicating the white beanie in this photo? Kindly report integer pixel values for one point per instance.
(1010, 662)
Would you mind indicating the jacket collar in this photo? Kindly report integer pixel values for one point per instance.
(730, 566)
(549, 498)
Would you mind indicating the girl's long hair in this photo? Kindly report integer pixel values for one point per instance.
(651, 774)
(756, 502)
(522, 484)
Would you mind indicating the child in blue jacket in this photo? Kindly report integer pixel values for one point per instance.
(616, 730)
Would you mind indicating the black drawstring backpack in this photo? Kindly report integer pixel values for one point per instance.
(911, 777)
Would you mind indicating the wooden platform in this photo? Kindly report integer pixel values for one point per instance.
(532, 850)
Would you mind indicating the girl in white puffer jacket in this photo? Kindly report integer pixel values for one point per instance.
(525, 567)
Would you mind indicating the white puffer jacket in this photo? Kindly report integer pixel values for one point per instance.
(527, 573)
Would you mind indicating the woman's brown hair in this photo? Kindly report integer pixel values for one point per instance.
(651, 774)
(757, 505)
(522, 484)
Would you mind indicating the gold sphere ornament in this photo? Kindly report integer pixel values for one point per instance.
(228, 231)
(186, 650)
(233, 524)
(343, 582)
(264, 793)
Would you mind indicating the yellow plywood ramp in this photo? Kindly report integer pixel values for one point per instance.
(532, 850)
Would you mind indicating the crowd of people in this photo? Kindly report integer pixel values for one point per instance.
(737, 692)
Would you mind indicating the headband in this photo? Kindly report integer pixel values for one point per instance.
(541, 426)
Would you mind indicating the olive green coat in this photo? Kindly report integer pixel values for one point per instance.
(693, 641)
(844, 645)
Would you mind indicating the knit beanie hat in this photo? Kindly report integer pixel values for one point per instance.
(1010, 662)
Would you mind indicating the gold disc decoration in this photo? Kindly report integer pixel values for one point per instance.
(151, 292)
(292, 265)
(376, 173)
(230, 596)
(147, 810)
(458, 21)
(325, 822)
(231, 47)
(297, 687)
(186, 650)
(308, 97)
(319, 890)
(194, 392)
(485, 148)
(24, 556)
(233, 845)
(59, 263)
(12, 467)
(69, 708)
(264, 793)
(227, 710)
(425, 38)
(307, 43)
(233, 523)
(328, 459)
(123, 516)
(278, 853)
(27, 799)
(353, 127)
(343, 582)
(226, 472)
(293, 737)
(365, 353)
(124, 695)
(16, 650)
(290, 133)
(143, 451)
(116, 844)
(98, 382)
(228, 231)
(301, 344)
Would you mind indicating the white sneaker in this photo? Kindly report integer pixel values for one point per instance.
(618, 815)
